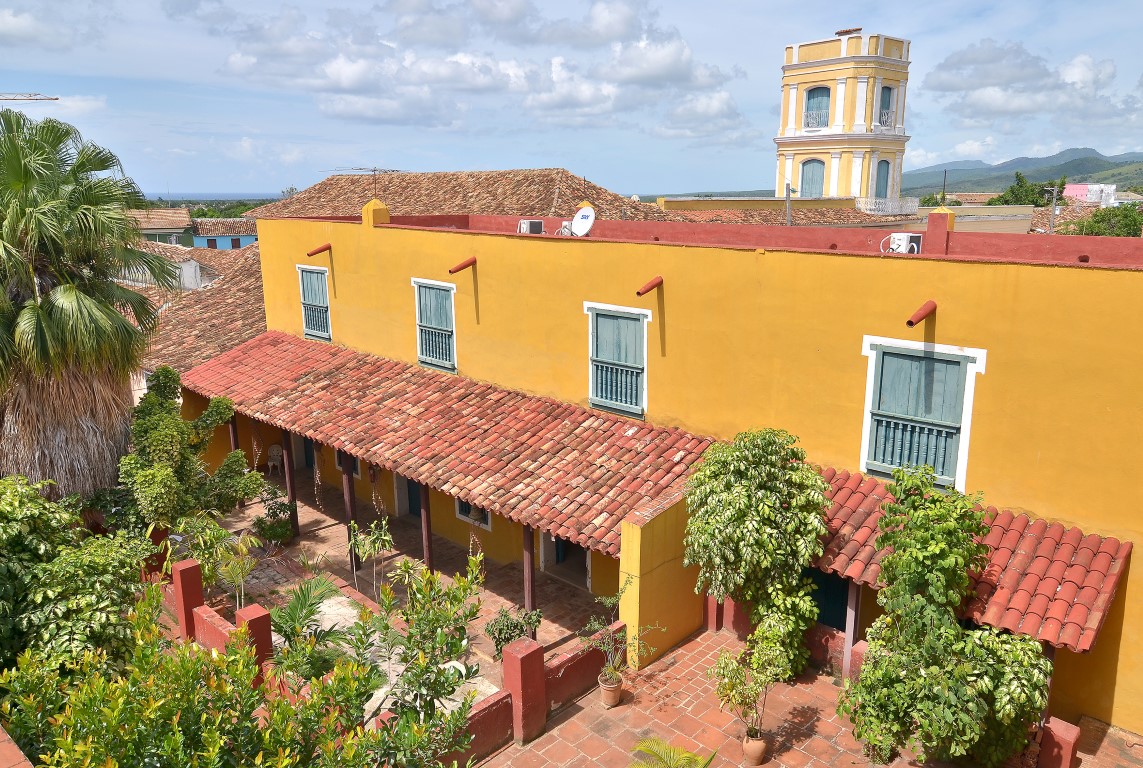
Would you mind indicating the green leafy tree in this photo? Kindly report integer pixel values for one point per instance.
(1117, 221)
(507, 626)
(937, 199)
(757, 521)
(70, 335)
(927, 683)
(62, 590)
(165, 471)
(1024, 192)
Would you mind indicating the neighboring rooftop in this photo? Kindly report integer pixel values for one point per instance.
(201, 324)
(1072, 211)
(537, 192)
(160, 218)
(574, 472)
(224, 227)
(215, 260)
(1043, 580)
(801, 217)
(973, 198)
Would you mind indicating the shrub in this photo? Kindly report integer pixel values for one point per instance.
(507, 626)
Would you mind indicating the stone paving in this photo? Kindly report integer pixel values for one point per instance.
(673, 699)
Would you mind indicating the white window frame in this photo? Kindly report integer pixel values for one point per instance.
(451, 287)
(329, 305)
(589, 309)
(975, 363)
(486, 525)
(337, 462)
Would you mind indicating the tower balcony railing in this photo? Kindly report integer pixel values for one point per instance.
(888, 206)
(815, 118)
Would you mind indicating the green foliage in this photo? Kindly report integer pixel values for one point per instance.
(165, 471)
(275, 525)
(202, 538)
(745, 679)
(237, 565)
(1118, 221)
(1024, 192)
(182, 705)
(310, 649)
(619, 647)
(507, 626)
(222, 210)
(938, 199)
(927, 683)
(370, 544)
(62, 590)
(659, 753)
(757, 522)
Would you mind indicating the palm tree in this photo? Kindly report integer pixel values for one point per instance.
(70, 336)
(659, 753)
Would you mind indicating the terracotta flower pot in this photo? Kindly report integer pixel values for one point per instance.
(754, 750)
(610, 691)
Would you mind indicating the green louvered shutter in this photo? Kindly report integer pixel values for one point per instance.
(817, 108)
(435, 326)
(617, 362)
(315, 305)
(918, 404)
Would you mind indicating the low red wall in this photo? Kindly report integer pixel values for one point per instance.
(10, 754)
(211, 630)
(826, 646)
(490, 724)
(571, 674)
(1049, 249)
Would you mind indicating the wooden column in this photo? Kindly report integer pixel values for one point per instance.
(234, 446)
(349, 496)
(529, 569)
(291, 484)
(852, 609)
(426, 528)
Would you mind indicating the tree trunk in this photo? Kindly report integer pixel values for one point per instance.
(71, 428)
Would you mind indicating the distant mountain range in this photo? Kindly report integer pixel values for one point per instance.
(1078, 164)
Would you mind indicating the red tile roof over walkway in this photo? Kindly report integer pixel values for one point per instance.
(1044, 580)
(573, 472)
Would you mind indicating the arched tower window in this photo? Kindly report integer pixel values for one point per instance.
(813, 179)
(817, 108)
(885, 115)
(882, 179)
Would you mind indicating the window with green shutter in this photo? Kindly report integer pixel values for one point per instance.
(617, 361)
(315, 304)
(435, 326)
(917, 411)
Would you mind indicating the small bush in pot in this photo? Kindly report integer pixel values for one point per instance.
(619, 647)
(744, 680)
(507, 626)
(275, 525)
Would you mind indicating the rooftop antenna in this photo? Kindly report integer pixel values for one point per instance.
(27, 97)
(944, 186)
(374, 170)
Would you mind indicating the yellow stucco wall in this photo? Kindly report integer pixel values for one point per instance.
(741, 339)
(662, 591)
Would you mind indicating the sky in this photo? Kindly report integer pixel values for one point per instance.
(640, 96)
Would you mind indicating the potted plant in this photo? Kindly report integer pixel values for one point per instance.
(745, 679)
(617, 646)
(275, 526)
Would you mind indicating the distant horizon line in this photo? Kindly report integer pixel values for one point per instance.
(213, 195)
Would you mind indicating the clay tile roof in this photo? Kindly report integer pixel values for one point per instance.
(801, 217)
(224, 227)
(217, 261)
(574, 472)
(175, 254)
(534, 192)
(1043, 580)
(200, 324)
(161, 218)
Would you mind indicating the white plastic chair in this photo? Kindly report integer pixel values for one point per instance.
(274, 459)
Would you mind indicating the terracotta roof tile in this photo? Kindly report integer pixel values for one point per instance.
(486, 445)
(224, 227)
(1044, 580)
(200, 324)
(160, 218)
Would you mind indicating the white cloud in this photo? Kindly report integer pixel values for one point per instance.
(25, 30)
(916, 157)
(407, 106)
(974, 149)
(567, 91)
(666, 61)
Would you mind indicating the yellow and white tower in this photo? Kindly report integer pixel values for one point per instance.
(842, 132)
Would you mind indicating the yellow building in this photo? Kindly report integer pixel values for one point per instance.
(842, 129)
(419, 349)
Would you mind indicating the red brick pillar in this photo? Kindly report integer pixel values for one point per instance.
(712, 614)
(524, 678)
(186, 576)
(1058, 745)
(256, 619)
(936, 238)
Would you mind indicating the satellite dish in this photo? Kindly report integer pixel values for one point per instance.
(635, 198)
(583, 221)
